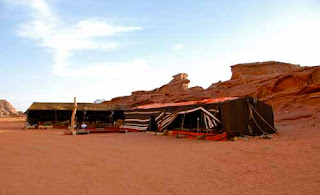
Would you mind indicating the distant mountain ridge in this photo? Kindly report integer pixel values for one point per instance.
(6, 109)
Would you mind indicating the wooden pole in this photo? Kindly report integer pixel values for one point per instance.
(26, 123)
(198, 128)
(201, 122)
(182, 122)
(74, 111)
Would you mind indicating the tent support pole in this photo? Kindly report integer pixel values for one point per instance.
(198, 119)
(182, 122)
(74, 111)
(26, 123)
(201, 121)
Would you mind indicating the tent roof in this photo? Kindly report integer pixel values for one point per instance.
(108, 107)
(205, 101)
(69, 106)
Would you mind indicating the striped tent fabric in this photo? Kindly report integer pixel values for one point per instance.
(138, 119)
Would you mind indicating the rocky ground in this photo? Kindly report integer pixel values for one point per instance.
(49, 162)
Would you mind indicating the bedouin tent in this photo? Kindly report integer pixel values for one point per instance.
(182, 115)
(246, 116)
(59, 114)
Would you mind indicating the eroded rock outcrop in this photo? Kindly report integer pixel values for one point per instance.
(176, 90)
(292, 90)
(6, 109)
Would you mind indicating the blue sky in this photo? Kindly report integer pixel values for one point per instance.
(53, 50)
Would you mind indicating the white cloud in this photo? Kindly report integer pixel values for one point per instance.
(100, 80)
(178, 46)
(40, 7)
(63, 39)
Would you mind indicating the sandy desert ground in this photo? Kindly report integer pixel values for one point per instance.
(48, 162)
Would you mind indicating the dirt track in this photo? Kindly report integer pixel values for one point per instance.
(48, 162)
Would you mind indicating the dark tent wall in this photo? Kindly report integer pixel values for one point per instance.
(57, 117)
(95, 118)
(49, 116)
(242, 117)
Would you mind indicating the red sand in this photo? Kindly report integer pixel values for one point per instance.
(48, 162)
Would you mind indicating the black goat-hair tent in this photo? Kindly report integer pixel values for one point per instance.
(60, 113)
(247, 116)
(138, 119)
(239, 116)
(236, 116)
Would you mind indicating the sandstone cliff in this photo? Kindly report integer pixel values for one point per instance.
(176, 90)
(292, 90)
(6, 109)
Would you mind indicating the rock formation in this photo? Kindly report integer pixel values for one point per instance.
(176, 90)
(6, 109)
(292, 90)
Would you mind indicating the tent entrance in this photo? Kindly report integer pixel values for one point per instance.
(191, 121)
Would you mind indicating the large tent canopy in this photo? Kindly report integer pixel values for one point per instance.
(59, 114)
(177, 115)
(245, 115)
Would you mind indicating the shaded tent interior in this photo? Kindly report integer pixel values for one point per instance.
(59, 114)
(239, 116)
(190, 122)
